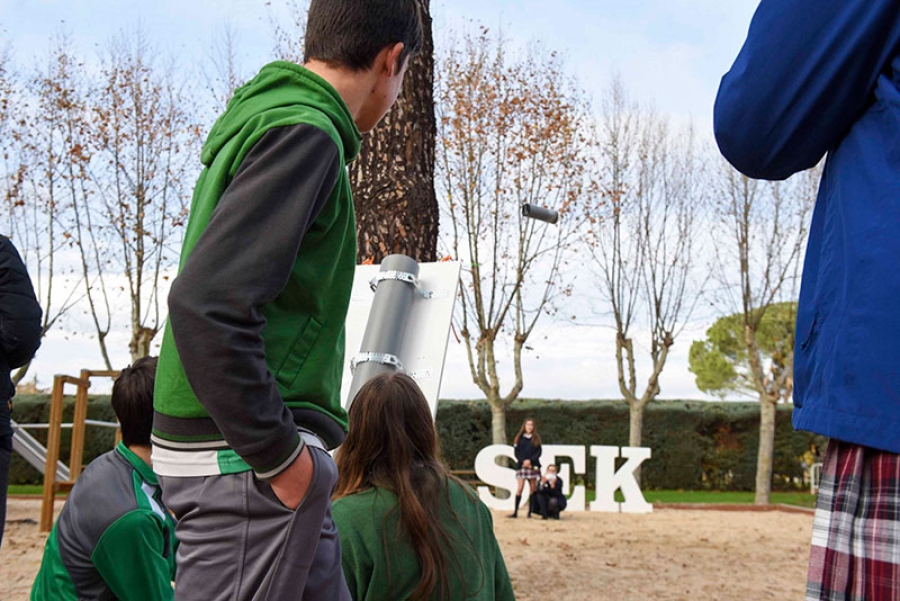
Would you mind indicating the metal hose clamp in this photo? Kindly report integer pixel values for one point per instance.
(373, 357)
(403, 276)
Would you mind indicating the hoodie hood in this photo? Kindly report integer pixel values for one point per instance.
(282, 94)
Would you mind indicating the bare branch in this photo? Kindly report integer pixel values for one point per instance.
(509, 133)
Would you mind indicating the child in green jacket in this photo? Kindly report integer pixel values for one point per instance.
(115, 539)
(409, 530)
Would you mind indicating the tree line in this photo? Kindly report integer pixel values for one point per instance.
(99, 160)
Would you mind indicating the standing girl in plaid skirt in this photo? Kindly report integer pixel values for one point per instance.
(528, 461)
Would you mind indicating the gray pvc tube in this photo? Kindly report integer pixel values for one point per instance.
(386, 325)
(540, 213)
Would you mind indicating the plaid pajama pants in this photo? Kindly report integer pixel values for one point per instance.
(855, 553)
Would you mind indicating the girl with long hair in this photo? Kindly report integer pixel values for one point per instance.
(528, 461)
(408, 529)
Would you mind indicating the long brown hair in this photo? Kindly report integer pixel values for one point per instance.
(535, 437)
(392, 444)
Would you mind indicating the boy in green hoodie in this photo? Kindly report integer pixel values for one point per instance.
(247, 396)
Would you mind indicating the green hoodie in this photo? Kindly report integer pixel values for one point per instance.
(254, 346)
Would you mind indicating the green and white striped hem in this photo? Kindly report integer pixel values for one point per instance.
(185, 464)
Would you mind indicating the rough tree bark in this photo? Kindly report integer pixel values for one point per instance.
(393, 177)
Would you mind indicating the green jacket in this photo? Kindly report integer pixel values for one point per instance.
(114, 538)
(254, 346)
(380, 564)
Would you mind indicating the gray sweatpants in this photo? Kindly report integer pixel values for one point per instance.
(237, 542)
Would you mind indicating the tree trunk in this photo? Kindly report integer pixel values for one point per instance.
(104, 352)
(766, 450)
(141, 338)
(635, 431)
(498, 421)
(393, 178)
(20, 373)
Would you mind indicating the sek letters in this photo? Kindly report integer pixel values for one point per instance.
(608, 480)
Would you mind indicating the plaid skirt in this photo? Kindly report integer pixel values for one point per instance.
(855, 553)
(527, 473)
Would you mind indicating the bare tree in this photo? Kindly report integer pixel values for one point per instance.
(223, 73)
(763, 233)
(642, 238)
(288, 32)
(613, 237)
(45, 173)
(510, 132)
(146, 139)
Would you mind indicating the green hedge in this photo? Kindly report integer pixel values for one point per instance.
(696, 445)
(32, 409)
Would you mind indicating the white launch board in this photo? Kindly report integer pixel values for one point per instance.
(424, 345)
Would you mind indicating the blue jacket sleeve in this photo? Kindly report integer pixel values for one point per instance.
(804, 75)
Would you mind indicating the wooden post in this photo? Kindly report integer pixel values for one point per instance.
(105, 373)
(53, 436)
(78, 427)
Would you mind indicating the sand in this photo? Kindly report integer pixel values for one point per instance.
(668, 555)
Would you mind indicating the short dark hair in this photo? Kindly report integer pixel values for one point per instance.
(132, 400)
(351, 33)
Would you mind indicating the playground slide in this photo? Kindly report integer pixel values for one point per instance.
(34, 453)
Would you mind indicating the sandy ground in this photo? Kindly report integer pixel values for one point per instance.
(669, 555)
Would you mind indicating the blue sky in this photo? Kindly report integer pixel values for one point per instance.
(672, 53)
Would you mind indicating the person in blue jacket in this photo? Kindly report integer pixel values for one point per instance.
(815, 79)
(20, 337)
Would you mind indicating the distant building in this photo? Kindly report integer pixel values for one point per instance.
(29, 387)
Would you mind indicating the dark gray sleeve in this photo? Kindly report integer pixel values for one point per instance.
(241, 262)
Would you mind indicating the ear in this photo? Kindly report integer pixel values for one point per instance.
(392, 59)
